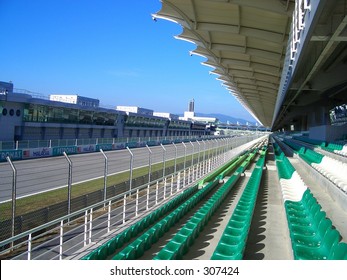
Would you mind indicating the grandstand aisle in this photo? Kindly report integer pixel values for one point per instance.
(204, 247)
(269, 237)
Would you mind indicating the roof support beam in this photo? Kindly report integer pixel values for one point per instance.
(195, 15)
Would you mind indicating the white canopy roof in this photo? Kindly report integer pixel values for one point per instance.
(244, 41)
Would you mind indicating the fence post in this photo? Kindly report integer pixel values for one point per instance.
(156, 193)
(137, 203)
(203, 159)
(147, 202)
(191, 176)
(105, 175)
(164, 159)
(14, 195)
(185, 154)
(61, 240)
(90, 225)
(184, 165)
(149, 164)
(85, 228)
(225, 149)
(192, 153)
(164, 196)
(178, 181)
(29, 246)
(131, 169)
(198, 169)
(175, 168)
(124, 207)
(69, 183)
(172, 179)
(109, 217)
(216, 156)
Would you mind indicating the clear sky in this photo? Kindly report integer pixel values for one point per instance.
(107, 49)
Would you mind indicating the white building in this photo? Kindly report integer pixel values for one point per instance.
(75, 99)
(135, 109)
(190, 116)
(166, 115)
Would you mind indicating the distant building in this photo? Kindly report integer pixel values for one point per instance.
(191, 106)
(205, 119)
(190, 115)
(135, 109)
(28, 116)
(166, 115)
(6, 88)
(75, 99)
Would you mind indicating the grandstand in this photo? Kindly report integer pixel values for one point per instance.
(27, 116)
(262, 196)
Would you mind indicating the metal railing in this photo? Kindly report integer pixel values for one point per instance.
(119, 209)
(32, 144)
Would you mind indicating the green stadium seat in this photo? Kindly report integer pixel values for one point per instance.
(339, 252)
(315, 240)
(102, 252)
(170, 252)
(318, 253)
(227, 252)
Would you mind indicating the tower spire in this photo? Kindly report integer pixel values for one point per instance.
(191, 106)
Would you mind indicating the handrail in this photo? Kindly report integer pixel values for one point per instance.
(78, 213)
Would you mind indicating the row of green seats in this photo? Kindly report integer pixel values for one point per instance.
(311, 156)
(306, 154)
(308, 140)
(180, 243)
(284, 167)
(232, 244)
(137, 248)
(295, 146)
(330, 146)
(109, 248)
(312, 234)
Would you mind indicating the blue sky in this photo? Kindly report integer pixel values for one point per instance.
(111, 50)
